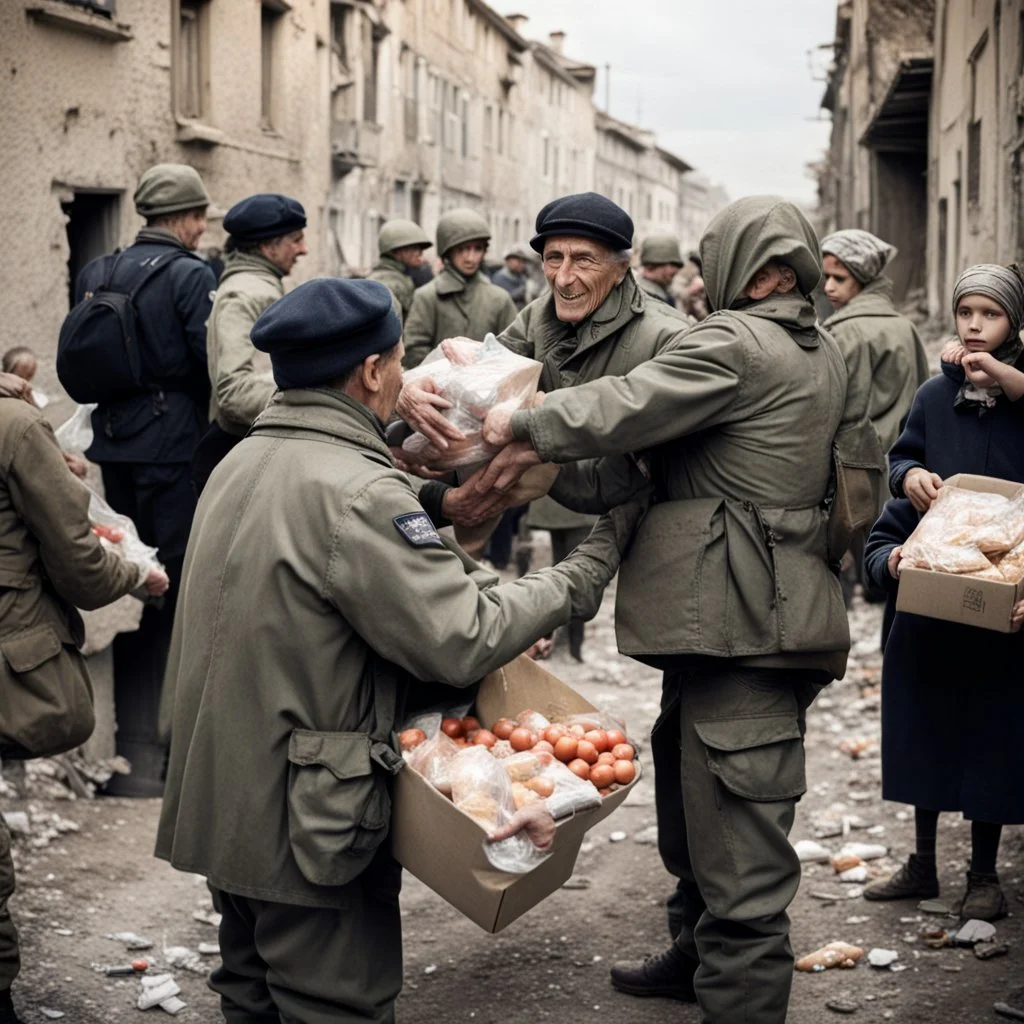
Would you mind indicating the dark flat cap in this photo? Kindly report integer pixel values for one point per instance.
(585, 215)
(324, 327)
(262, 216)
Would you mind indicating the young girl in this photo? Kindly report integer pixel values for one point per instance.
(952, 699)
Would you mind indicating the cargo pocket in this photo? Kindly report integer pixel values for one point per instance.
(46, 703)
(339, 804)
(760, 758)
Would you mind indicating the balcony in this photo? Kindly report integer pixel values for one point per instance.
(354, 144)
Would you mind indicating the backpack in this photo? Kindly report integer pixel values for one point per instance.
(98, 355)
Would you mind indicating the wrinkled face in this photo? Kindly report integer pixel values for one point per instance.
(466, 258)
(840, 284)
(410, 255)
(581, 274)
(284, 251)
(981, 323)
(661, 273)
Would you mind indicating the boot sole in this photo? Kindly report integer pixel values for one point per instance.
(656, 993)
(920, 894)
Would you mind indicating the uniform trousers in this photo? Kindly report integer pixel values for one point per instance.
(10, 961)
(313, 965)
(728, 757)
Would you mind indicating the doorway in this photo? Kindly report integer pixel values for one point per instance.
(94, 226)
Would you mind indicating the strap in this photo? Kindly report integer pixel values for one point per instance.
(158, 264)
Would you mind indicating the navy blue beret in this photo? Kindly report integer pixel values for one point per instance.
(262, 216)
(585, 215)
(324, 327)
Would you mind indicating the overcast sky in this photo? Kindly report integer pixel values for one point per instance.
(729, 85)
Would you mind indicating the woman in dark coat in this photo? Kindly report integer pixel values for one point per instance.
(952, 698)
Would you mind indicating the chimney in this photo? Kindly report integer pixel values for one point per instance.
(517, 21)
(556, 40)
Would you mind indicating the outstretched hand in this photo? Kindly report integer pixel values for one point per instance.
(468, 505)
(533, 819)
(422, 407)
(506, 468)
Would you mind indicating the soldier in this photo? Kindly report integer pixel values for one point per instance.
(460, 301)
(660, 261)
(290, 706)
(51, 562)
(401, 244)
(728, 587)
(513, 276)
(266, 235)
(144, 443)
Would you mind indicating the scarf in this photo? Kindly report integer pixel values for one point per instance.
(865, 255)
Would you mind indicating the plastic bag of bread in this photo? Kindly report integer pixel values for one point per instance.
(536, 775)
(433, 760)
(475, 377)
(1011, 565)
(945, 538)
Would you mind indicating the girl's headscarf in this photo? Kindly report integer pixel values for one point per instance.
(865, 254)
(1005, 286)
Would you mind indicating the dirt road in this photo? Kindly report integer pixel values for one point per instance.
(553, 963)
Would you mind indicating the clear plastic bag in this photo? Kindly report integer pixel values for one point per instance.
(433, 760)
(479, 377)
(540, 776)
(75, 433)
(117, 533)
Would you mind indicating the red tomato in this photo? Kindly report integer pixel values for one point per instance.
(565, 749)
(602, 775)
(452, 727)
(484, 738)
(470, 724)
(599, 738)
(587, 751)
(541, 786)
(543, 746)
(553, 733)
(503, 727)
(623, 751)
(615, 736)
(625, 772)
(410, 738)
(606, 757)
(580, 768)
(522, 738)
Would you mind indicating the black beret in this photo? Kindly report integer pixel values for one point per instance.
(262, 216)
(324, 327)
(586, 215)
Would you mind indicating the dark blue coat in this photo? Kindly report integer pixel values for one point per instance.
(164, 426)
(952, 695)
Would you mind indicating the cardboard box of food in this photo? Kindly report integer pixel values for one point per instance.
(444, 848)
(986, 604)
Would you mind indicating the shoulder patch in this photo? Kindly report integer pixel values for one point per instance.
(418, 530)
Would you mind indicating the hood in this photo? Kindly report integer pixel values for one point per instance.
(745, 236)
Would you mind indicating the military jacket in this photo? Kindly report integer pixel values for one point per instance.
(392, 273)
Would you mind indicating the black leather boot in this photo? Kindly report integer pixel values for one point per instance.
(7, 1014)
(668, 975)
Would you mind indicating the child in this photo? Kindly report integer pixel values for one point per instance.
(952, 700)
(21, 361)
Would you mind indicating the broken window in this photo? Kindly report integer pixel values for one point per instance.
(974, 162)
(270, 15)
(190, 60)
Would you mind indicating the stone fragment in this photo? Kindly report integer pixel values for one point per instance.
(974, 931)
(213, 948)
(173, 1006)
(646, 836)
(842, 1006)
(990, 950)
(810, 852)
(882, 957)
(864, 851)
(130, 940)
(17, 822)
(616, 837)
(156, 989)
(855, 874)
(934, 907)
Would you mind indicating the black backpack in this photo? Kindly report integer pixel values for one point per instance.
(98, 356)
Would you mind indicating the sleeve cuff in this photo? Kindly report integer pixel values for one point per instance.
(431, 498)
(521, 425)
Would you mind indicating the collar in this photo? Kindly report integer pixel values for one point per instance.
(303, 411)
(159, 236)
(237, 262)
(793, 312)
(874, 299)
(450, 281)
(390, 263)
(624, 302)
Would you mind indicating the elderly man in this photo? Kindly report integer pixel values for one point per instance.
(729, 586)
(317, 594)
(660, 260)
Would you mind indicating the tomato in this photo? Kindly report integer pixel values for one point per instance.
(623, 751)
(543, 746)
(602, 775)
(503, 727)
(452, 727)
(587, 751)
(484, 738)
(615, 737)
(541, 786)
(470, 724)
(580, 768)
(625, 772)
(565, 749)
(599, 738)
(606, 757)
(522, 738)
(553, 733)
(411, 738)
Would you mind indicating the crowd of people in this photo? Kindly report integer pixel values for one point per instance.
(701, 427)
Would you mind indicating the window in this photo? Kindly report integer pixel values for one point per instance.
(547, 156)
(650, 203)
(943, 242)
(339, 30)
(190, 59)
(488, 127)
(371, 65)
(411, 98)
(974, 162)
(465, 125)
(501, 130)
(270, 14)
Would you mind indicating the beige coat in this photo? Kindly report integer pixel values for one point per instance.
(310, 562)
(241, 384)
(50, 563)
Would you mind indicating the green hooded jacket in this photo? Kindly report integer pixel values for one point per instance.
(391, 273)
(884, 356)
(741, 411)
(240, 376)
(453, 306)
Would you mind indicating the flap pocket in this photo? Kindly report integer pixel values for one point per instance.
(28, 649)
(756, 758)
(346, 755)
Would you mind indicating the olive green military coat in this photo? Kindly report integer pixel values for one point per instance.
(240, 379)
(392, 274)
(50, 563)
(656, 291)
(309, 554)
(732, 562)
(451, 306)
(884, 357)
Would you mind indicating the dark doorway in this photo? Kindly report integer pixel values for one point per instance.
(901, 215)
(94, 226)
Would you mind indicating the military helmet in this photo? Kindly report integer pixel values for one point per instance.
(398, 234)
(169, 188)
(459, 226)
(658, 249)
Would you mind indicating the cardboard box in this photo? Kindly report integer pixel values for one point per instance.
(986, 604)
(444, 848)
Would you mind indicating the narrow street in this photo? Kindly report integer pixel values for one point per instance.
(552, 964)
